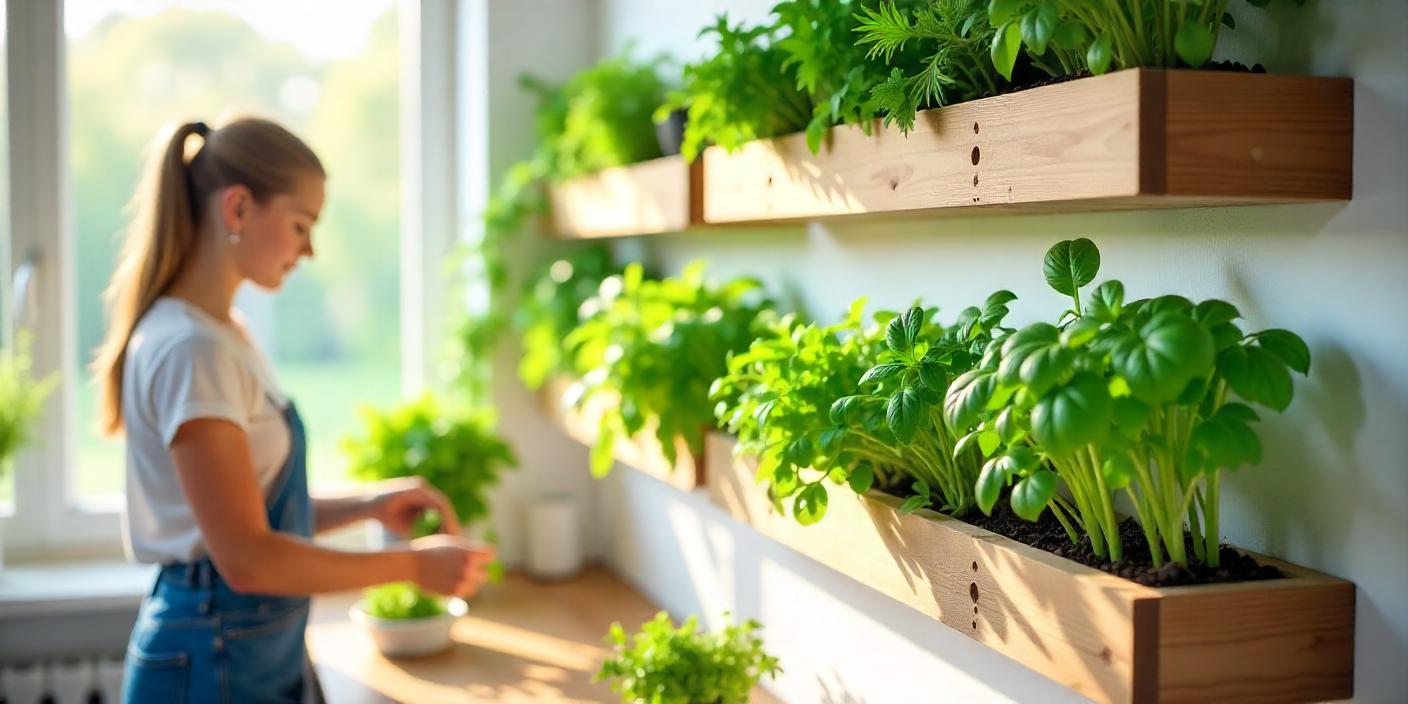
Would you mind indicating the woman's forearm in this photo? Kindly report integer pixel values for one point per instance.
(332, 512)
(284, 564)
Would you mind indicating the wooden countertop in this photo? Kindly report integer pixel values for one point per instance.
(523, 641)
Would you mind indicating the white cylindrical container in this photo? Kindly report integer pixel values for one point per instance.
(554, 537)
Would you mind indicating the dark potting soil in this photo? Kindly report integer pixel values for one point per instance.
(1136, 565)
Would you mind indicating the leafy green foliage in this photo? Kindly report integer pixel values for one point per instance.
(857, 403)
(657, 345)
(778, 397)
(1063, 37)
(938, 54)
(901, 401)
(744, 90)
(456, 450)
(662, 664)
(600, 118)
(21, 399)
(837, 73)
(1123, 395)
(549, 310)
(400, 601)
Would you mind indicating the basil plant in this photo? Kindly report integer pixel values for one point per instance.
(1151, 397)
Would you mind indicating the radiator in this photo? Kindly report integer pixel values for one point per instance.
(63, 681)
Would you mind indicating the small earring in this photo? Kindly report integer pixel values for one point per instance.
(234, 238)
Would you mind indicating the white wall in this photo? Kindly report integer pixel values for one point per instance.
(499, 42)
(1333, 490)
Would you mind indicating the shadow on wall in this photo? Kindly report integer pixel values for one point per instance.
(835, 692)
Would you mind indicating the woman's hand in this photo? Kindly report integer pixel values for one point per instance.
(399, 502)
(449, 564)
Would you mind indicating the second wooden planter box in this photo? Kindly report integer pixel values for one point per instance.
(652, 197)
(642, 451)
(1111, 639)
(1138, 138)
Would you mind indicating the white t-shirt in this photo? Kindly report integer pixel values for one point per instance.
(183, 364)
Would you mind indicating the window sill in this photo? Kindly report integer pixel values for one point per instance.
(46, 587)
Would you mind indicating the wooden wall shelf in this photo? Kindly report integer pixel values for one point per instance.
(1132, 139)
(1111, 639)
(641, 452)
(652, 197)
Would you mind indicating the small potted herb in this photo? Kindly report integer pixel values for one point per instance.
(404, 621)
(456, 449)
(666, 665)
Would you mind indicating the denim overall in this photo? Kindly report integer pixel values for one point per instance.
(198, 640)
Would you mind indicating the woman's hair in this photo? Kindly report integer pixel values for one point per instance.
(169, 206)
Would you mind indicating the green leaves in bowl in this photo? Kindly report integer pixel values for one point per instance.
(401, 601)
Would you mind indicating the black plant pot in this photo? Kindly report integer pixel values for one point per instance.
(670, 133)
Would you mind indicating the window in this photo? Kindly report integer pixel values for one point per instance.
(7, 475)
(97, 78)
(172, 60)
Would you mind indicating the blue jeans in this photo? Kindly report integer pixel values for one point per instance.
(197, 640)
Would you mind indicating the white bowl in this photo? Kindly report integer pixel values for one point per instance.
(406, 637)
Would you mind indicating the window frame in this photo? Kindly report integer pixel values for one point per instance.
(48, 520)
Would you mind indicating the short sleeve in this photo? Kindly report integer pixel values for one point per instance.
(199, 377)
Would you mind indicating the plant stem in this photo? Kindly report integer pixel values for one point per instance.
(1107, 507)
(1210, 511)
(1060, 514)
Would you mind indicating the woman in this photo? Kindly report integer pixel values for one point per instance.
(216, 484)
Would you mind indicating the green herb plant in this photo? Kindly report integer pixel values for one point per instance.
(1064, 36)
(836, 74)
(776, 398)
(549, 310)
(662, 664)
(1134, 396)
(600, 118)
(858, 405)
(973, 47)
(953, 39)
(21, 398)
(656, 346)
(740, 92)
(900, 404)
(455, 449)
(400, 601)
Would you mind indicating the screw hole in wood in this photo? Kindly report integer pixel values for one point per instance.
(977, 154)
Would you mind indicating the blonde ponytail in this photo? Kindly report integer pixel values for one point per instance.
(170, 205)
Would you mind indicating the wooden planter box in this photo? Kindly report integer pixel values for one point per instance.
(1287, 640)
(652, 197)
(1137, 138)
(642, 451)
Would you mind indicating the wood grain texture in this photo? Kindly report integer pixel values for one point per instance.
(1243, 135)
(523, 641)
(651, 197)
(1128, 140)
(642, 451)
(1108, 638)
